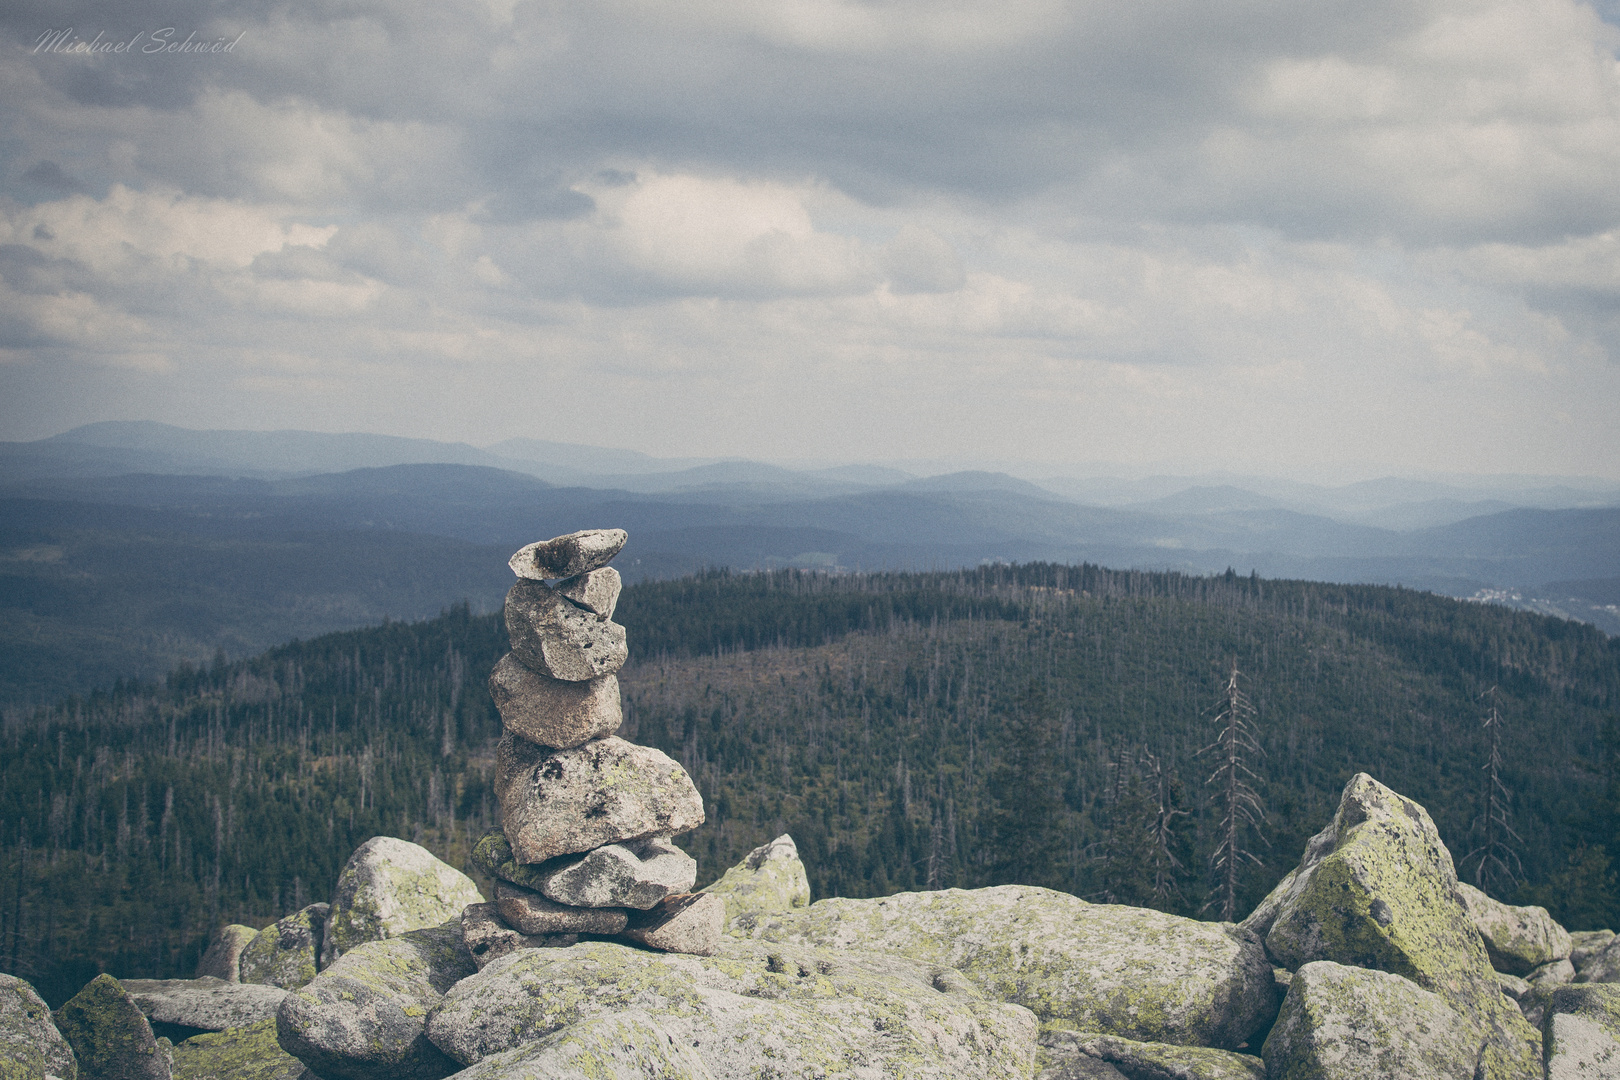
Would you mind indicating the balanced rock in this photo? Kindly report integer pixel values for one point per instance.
(110, 1036)
(1517, 939)
(1351, 1023)
(240, 1053)
(568, 556)
(388, 887)
(688, 923)
(1582, 1032)
(635, 874)
(488, 938)
(770, 880)
(29, 1040)
(605, 792)
(287, 953)
(1070, 1051)
(627, 1044)
(555, 637)
(597, 591)
(529, 913)
(225, 951)
(552, 712)
(208, 1004)
(493, 855)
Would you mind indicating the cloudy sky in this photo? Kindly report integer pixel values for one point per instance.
(1369, 237)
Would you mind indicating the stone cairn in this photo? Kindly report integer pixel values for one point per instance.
(584, 843)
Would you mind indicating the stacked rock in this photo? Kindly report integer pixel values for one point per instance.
(584, 845)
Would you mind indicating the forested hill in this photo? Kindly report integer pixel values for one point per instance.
(1014, 723)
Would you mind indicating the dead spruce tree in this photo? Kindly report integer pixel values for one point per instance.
(1235, 799)
(1497, 868)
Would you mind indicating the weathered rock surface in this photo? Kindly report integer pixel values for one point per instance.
(771, 880)
(493, 855)
(689, 923)
(1147, 1060)
(224, 952)
(1582, 1032)
(1349, 1023)
(552, 712)
(753, 1010)
(388, 887)
(209, 1004)
(1586, 944)
(529, 912)
(242, 1053)
(1602, 968)
(1377, 889)
(605, 792)
(558, 638)
(1132, 972)
(1554, 974)
(627, 1044)
(1513, 986)
(286, 954)
(1065, 1065)
(596, 592)
(567, 556)
(1517, 939)
(635, 874)
(30, 1046)
(364, 1017)
(110, 1036)
(488, 938)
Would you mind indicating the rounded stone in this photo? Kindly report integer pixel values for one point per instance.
(552, 712)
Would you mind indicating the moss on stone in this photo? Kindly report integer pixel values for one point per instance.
(244, 1053)
(111, 1038)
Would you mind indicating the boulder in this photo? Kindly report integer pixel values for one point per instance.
(287, 953)
(753, 1010)
(110, 1036)
(1062, 1064)
(493, 855)
(1585, 944)
(568, 556)
(552, 712)
(1513, 986)
(596, 592)
(635, 874)
(364, 1017)
(224, 952)
(769, 881)
(1349, 1023)
(529, 912)
(1602, 968)
(1377, 889)
(605, 792)
(1114, 970)
(208, 1004)
(560, 639)
(241, 1053)
(388, 887)
(1517, 939)
(1147, 1060)
(1582, 1033)
(689, 923)
(627, 1044)
(1554, 974)
(488, 938)
(29, 1041)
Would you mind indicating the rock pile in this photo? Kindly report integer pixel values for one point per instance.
(584, 846)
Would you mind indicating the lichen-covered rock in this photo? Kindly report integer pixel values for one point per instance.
(605, 792)
(1513, 986)
(488, 938)
(529, 912)
(1517, 939)
(567, 556)
(1348, 1023)
(388, 887)
(110, 1036)
(209, 1004)
(627, 1044)
(556, 637)
(1582, 1033)
(689, 923)
(1063, 1064)
(1602, 968)
(241, 1053)
(1585, 944)
(770, 881)
(493, 855)
(287, 953)
(552, 712)
(363, 1018)
(635, 874)
(1554, 974)
(1115, 970)
(30, 1046)
(596, 591)
(752, 1010)
(1377, 889)
(224, 952)
(1148, 1060)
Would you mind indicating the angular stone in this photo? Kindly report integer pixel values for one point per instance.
(689, 923)
(751, 1011)
(528, 912)
(286, 954)
(1586, 944)
(488, 938)
(242, 1053)
(28, 1038)
(110, 1036)
(388, 887)
(1348, 1023)
(1554, 974)
(560, 639)
(1513, 986)
(493, 855)
(209, 1004)
(597, 591)
(1114, 970)
(1517, 939)
(568, 556)
(628, 1044)
(1602, 968)
(551, 712)
(224, 952)
(364, 1017)
(635, 874)
(1377, 889)
(1151, 1061)
(771, 880)
(605, 792)
(1583, 1033)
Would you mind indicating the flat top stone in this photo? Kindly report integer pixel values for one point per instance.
(207, 1003)
(566, 556)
